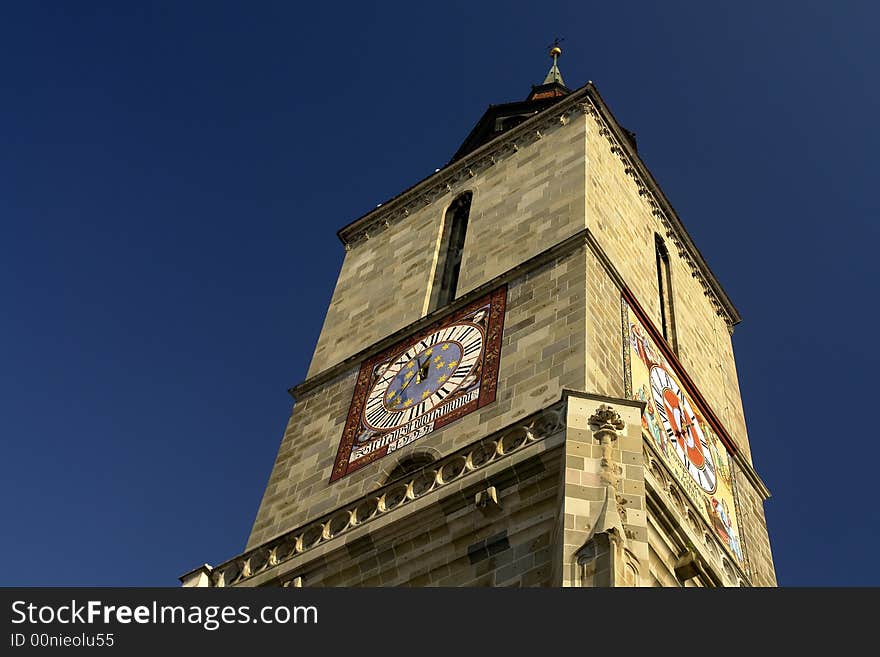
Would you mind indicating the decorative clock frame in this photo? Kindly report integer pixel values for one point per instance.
(427, 380)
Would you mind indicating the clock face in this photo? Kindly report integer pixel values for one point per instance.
(423, 383)
(424, 375)
(683, 429)
(679, 424)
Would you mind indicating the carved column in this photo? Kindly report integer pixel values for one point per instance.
(605, 537)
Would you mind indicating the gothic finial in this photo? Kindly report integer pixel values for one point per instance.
(554, 75)
(607, 418)
(608, 520)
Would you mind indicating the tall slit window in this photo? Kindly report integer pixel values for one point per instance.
(451, 248)
(664, 287)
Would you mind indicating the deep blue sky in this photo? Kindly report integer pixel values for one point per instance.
(172, 177)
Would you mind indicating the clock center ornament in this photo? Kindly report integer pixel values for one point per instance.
(423, 383)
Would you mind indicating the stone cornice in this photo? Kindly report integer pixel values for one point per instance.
(448, 474)
(746, 467)
(648, 187)
(562, 249)
(752, 475)
(454, 177)
(667, 523)
(670, 495)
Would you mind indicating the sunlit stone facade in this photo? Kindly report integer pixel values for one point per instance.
(598, 437)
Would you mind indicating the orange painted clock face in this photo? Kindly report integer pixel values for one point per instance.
(683, 429)
(678, 422)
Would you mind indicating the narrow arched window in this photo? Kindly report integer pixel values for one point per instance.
(455, 222)
(664, 288)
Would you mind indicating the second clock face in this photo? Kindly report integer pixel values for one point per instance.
(678, 423)
(424, 375)
(683, 429)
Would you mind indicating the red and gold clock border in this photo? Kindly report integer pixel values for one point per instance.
(496, 301)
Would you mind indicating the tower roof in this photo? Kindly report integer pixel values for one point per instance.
(483, 134)
(500, 118)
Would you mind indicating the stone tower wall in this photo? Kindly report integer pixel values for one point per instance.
(528, 201)
(542, 353)
(564, 219)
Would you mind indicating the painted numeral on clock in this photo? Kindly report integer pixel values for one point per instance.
(458, 376)
(473, 347)
(463, 333)
(415, 411)
(374, 402)
(375, 415)
(445, 390)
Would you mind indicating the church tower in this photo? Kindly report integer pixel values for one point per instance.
(525, 378)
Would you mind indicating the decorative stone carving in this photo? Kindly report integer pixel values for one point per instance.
(609, 423)
(602, 559)
(395, 495)
(674, 231)
(487, 501)
(632, 570)
(607, 419)
(687, 566)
